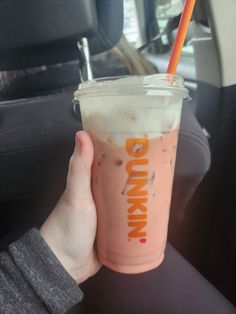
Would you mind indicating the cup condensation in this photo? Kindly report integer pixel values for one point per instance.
(134, 124)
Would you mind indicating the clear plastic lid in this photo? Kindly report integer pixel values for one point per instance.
(150, 85)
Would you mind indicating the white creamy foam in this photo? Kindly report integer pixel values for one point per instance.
(119, 117)
(149, 106)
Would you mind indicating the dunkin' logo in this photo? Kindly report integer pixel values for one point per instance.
(137, 194)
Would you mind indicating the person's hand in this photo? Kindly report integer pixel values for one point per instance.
(71, 227)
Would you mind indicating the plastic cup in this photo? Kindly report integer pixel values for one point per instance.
(134, 124)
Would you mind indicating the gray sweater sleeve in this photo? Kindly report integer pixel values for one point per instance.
(32, 280)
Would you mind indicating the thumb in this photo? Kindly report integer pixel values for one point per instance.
(79, 175)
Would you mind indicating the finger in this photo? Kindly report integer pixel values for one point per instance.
(79, 174)
(84, 147)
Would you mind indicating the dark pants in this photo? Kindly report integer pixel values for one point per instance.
(175, 287)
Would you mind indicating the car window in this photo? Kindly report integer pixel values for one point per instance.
(165, 11)
(131, 24)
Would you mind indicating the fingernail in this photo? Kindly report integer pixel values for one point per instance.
(77, 143)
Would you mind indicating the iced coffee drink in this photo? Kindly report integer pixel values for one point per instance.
(134, 124)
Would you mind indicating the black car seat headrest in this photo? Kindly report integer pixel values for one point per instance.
(110, 25)
(43, 32)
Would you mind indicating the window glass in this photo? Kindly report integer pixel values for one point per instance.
(165, 10)
(131, 25)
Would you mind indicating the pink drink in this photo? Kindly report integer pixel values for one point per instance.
(135, 140)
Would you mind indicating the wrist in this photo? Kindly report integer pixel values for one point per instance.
(79, 268)
(50, 237)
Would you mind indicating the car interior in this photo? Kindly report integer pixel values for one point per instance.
(43, 60)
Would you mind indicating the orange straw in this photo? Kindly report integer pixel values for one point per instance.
(181, 35)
